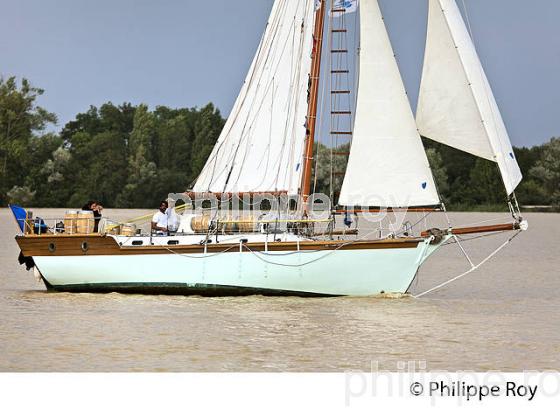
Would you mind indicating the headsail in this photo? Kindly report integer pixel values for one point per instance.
(387, 165)
(456, 105)
(261, 146)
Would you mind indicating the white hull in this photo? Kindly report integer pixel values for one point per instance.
(360, 272)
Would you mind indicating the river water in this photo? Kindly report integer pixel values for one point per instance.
(504, 317)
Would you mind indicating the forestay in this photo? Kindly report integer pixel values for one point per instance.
(456, 105)
(261, 146)
(387, 165)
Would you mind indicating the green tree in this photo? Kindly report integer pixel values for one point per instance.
(89, 122)
(330, 167)
(47, 171)
(486, 186)
(527, 158)
(21, 121)
(143, 134)
(98, 142)
(206, 132)
(175, 138)
(530, 191)
(21, 195)
(138, 192)
(439, 170)
(547, 170)
(99, 167)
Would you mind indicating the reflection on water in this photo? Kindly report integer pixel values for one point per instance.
(504, 317)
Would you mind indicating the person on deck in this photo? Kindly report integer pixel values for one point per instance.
(96, 207)
(160, 221)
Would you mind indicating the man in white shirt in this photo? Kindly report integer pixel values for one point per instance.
(160, 220)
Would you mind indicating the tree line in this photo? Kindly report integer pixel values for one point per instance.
(124, 156)
(128, 156)
(466, 182)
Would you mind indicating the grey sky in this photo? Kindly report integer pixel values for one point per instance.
(184, 52)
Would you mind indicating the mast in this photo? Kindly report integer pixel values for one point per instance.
(312, 104)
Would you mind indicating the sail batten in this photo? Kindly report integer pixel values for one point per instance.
(261, 146)
(387, 166)
(456, 105)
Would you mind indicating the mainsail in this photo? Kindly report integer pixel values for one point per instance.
(261, 146)
(456, 105)
(387, 165)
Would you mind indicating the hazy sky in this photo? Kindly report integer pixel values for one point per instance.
(183, 53)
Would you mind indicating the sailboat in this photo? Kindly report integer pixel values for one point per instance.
(267, 147)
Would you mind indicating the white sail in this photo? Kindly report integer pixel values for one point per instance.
(261, 146)
(387, 165)
(456, 105)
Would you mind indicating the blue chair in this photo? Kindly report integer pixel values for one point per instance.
(20, 215)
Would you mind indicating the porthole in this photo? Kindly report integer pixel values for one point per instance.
(85, 246)
(173, 242)
(52, 247)
(137, 243)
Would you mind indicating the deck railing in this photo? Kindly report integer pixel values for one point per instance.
(317, 229)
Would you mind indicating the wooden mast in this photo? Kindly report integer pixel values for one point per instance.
(305, 189)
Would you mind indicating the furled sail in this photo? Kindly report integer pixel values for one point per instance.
(261, 146)
(456, 105)
(388, 166)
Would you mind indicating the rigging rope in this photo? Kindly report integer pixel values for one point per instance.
(342, 245)
(472, 269)
(260, 255)
(205, 256)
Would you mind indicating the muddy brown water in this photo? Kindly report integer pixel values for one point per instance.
(505, 316)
